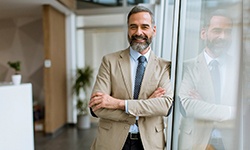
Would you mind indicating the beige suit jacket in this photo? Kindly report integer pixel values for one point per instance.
(202, 115)
(114, 78)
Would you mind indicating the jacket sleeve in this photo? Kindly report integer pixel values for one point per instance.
(154, 106)
(203, 107)
(103, 84)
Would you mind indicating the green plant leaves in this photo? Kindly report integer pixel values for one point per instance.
(15, 65)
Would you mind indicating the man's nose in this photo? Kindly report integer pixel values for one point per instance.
(224, 34)
(139, 31)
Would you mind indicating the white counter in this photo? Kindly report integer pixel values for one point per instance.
(16, 117)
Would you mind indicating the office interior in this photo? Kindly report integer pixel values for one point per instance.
(52, 38)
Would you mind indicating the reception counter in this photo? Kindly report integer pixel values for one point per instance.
(16, 117)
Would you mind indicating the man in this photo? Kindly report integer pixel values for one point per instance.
(207, 102)
(129, 121)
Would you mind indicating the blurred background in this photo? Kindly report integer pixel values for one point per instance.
(53, 38)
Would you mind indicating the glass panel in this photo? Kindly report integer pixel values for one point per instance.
(207, 77)
(244, 121)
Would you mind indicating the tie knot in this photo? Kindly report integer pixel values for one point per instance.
(142, 59)
(214, 63)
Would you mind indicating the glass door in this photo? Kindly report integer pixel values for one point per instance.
(207, 80)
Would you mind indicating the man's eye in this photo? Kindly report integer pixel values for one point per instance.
(145, 27)
(133, 27)
(217, 31)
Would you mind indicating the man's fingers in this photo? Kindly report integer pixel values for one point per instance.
(96, 107)
(96, 94)
(95, 100)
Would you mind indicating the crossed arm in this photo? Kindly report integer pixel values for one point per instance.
(101, 100)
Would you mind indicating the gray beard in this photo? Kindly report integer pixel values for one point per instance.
(217, 50)
(139, 47)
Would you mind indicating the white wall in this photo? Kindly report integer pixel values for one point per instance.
(97, 38)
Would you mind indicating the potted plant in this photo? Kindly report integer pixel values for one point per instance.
(81, 84)
(16, 78)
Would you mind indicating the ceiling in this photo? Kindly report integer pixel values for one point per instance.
(25, 8)
(31, 8)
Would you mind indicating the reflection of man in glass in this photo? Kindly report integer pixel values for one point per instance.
(206, 92)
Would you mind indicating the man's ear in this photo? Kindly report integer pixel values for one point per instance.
(154, 30)
(203, 34)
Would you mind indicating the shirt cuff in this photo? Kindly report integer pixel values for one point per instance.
(126, 106)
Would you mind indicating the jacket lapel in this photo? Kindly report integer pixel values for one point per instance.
(152, 64)
(124, 66)
(205, 77)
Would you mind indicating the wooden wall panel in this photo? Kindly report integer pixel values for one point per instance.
(55, 75)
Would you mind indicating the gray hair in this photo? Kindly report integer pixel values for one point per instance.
(218, 12)
(138, 9)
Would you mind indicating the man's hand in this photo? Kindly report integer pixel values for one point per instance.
(159, 92)
(100, 100)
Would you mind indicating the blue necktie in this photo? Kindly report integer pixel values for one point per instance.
(215, 137)
(139, 75)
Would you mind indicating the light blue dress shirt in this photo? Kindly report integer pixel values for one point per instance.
(134, 55)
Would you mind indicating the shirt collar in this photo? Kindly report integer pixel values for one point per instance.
(135, 55)
(209, 59)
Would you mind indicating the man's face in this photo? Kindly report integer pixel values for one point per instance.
(140, 31)
(218, 35)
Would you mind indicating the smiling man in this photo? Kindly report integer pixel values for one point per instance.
(207, 91)
(129, 98)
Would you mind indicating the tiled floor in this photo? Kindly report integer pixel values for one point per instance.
(69, 138)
